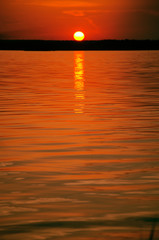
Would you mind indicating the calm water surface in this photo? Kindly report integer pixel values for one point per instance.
(79, 145)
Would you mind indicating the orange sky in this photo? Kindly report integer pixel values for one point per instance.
(98, 19)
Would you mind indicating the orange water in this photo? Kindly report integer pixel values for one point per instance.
(79, 145)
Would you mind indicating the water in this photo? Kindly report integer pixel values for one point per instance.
(79, 145)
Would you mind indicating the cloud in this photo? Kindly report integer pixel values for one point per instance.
(153, 12)
(75, 13)
(7, 210)
(48, 200)
(63, 3)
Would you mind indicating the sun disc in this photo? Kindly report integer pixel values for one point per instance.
(78, 36)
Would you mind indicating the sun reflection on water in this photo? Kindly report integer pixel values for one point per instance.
(79, 82)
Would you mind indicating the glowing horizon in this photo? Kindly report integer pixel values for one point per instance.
(51, 20)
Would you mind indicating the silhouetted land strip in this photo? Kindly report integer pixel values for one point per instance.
(44, 45)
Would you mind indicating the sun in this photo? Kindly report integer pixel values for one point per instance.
(79, 36)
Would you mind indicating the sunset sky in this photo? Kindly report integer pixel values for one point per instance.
(98, 19)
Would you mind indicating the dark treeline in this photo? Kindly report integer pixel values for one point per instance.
(48, 45)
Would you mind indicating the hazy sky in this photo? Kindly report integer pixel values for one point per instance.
(98, 19)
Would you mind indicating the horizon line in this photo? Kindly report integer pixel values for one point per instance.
(85, 40)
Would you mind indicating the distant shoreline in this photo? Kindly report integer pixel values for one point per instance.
(99, 45)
